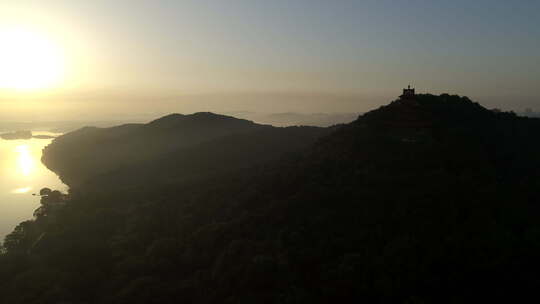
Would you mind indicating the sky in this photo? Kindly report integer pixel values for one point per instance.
(131, 59)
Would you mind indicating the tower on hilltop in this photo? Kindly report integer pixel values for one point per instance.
(408, 93)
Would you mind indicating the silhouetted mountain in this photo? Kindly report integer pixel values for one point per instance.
(91, 151)
(431, 199)
(199, 161)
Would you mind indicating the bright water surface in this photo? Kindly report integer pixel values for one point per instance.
(21, 175)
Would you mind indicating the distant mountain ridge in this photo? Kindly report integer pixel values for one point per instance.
(300, 119)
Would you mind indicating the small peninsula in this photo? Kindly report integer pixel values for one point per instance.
(23, 135)
(16, 135)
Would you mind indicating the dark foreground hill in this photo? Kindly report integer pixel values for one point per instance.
(431, 200)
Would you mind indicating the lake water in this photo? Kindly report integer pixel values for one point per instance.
(21, 175)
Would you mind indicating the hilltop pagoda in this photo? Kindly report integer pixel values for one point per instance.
(408, 93)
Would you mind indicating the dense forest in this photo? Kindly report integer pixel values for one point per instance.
(179, 143)
(426, 200)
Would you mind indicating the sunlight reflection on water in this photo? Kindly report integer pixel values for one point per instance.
(21, 174)
(25, 161)
(22, 190)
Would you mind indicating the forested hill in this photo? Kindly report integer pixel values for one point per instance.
(181, 144)
(431, 200)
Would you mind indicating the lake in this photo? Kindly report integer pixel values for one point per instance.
(21, 175)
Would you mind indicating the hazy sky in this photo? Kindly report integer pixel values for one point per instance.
(153, 57)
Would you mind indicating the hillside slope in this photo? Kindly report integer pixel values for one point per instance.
(226, 154)
(427, 201)
(88, 152)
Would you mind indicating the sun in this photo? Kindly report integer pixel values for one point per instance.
(29, 60)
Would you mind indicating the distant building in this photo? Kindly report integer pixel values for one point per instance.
(408, 93)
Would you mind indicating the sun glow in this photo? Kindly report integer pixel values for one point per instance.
(29, 60)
